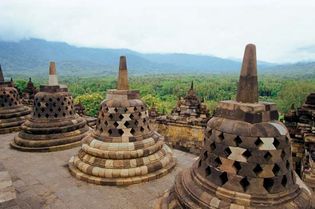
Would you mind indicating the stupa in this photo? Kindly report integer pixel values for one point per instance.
(54, 125)
(246, 160)
(122, 149)
(183, 128)
(191, 108)
(29, 93)
(12, 112)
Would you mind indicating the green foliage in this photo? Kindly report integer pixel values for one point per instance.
(91, 102)
(163, 91)
(294, 92)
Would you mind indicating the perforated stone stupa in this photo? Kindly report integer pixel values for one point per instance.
(246, 160)
(54, 125)
(122, 149)
(12, 112)
(29, 93)
(190, 109)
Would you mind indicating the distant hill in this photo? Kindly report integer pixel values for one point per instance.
(31, 57)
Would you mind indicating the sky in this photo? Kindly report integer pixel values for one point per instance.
(283, 30)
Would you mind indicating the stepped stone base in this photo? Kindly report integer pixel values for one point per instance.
(37, 136)
(187, 194)
(12, 119)
(122, 176)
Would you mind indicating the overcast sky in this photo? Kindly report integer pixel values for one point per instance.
(283, 30)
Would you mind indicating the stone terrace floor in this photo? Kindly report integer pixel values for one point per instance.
(42, 181)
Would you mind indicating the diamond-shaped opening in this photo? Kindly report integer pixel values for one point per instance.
(208, 170)
(144, 120)
(121, 117)
(287, 165)
(284, 181)
(247, 154)
(56, 115)
(101, 130)
(64, 114)
(267, 156)
(218, 162)
(106, 123)
(238, 140)
(126, 123)
(142, 129)
(38, 115)
(111, 116)
(136, 122)
(47, 115)
(109, 131)
(126, 109)
(257, 169)
(139, 114)
(135, 109)
(221, 136)
(237, 166)
(121, 132)
(212, 146)
(227, 151)
(268, 184)
(276, 142)
(132, 131)
(116, 124)
(244, 183)
(205, 155)
(283, 154)
(258, 142)
(116, 110)
(276, 169)
(42, 109)
(131, 116)
(224, 178)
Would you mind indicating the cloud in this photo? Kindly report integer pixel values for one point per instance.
(220, 28)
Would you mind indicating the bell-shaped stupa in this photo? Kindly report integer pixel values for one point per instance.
(12, 112)
(122, 149)
(246, 160)
(54, 125)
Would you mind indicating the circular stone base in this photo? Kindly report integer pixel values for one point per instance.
(45, 149)
(120, 181)
(9, 130)
(192, 196)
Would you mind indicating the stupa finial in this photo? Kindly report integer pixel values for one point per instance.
(123, 74)
(53, 80)
(247, 91)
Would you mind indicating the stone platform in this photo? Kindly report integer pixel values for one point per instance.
(42, 181)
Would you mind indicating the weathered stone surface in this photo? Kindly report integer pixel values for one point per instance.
(7, 191)
(183, 129)
(54, 125)
(122, 83)
(122, 149)
(42, 181)
(185, 137)
(301, 125)
(246, 160)
(12, 112)
(247, 91)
